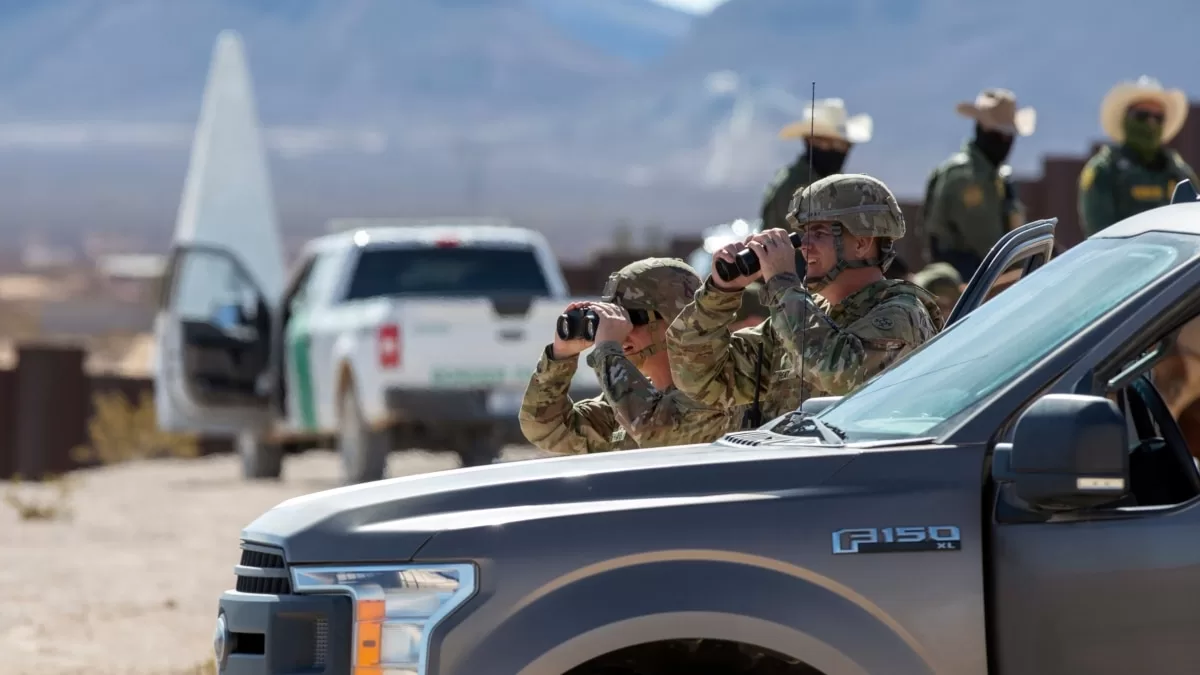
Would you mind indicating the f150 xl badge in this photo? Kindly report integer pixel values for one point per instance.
(897, 539)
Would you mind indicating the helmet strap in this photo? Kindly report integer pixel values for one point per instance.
(639, 357)
(815, 284)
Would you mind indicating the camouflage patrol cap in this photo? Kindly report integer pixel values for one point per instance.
(663, 285)
(863, 205)
(938, 275)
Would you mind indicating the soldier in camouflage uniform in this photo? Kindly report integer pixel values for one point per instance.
(1137, 173)
(970, 199)
(826, 334)
(828, 136)
(639, 405)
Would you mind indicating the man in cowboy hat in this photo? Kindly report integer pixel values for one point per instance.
(1137, 173)
(828, 134)
(970, 201)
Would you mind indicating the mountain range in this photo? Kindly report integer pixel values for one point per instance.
(567, 115)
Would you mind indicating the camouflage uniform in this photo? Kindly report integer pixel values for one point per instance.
(752, 304)
(1116, 184)
(841, 347)
(630, 412)
(810, 348)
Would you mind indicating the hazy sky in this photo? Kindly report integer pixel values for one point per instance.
(693, 6)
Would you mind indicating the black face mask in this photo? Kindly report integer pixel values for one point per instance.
(993, 144)
(825, 162)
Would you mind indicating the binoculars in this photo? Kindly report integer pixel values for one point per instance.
(582, 322)
(746, 262)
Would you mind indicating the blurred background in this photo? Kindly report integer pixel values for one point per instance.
(617, 128)
(605, 124)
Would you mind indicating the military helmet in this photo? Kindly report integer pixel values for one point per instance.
(863, 205)
(855, 203)
(663, 285)
(938, 275)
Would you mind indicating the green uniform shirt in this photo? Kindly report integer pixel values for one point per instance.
(778, 197)
(965, 207)
(1115, 185)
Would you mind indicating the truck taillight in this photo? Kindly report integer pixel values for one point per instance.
(389, 346)
(446, 243)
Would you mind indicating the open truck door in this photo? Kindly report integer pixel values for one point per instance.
(213, 330)
(214, 335)
(1018, 253)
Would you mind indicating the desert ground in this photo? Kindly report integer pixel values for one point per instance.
(124, 575)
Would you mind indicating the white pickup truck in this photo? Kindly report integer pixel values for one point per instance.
(381, 338)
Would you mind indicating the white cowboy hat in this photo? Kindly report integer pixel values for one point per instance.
(830, 121)
(1120, 97)
(996, 109)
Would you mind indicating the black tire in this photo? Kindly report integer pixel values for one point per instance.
(260, 459)
(364, 451)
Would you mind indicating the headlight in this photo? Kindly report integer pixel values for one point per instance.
(396, 608)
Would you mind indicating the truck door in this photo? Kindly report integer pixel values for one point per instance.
(1018, 253)
(213, 344)
(1110, 589)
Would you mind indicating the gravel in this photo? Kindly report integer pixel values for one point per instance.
(128, 580)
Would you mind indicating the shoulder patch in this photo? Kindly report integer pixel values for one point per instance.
(1087, 176)
(883, 323)
(972, 196)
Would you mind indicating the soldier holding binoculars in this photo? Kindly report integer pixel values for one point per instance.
(639, 405)
(827, 333)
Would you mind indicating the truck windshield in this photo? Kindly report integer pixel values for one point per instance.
(991, 345)
(457, 272)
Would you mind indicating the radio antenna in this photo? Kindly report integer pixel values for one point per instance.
(812, 129)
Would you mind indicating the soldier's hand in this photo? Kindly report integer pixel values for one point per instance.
(614, 322)
(727, 253)
(776, 254)
(565, 349)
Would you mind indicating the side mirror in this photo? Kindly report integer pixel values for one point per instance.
(1068, 452)
(816, 404)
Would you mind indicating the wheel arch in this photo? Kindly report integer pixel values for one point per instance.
(674, 595)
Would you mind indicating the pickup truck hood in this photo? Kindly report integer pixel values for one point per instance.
(390, 520)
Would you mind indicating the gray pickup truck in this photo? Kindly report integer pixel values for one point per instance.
(1012, 498)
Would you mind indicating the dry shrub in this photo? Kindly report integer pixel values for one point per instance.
(40, 503)
(120, 431)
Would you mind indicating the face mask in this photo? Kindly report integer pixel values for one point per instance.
(826, 162)
(993, 144)
(1143, 137)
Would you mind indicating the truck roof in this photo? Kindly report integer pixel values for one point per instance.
(400, 234)
(1181, 218)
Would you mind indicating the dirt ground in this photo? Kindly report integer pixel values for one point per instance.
(128, 582)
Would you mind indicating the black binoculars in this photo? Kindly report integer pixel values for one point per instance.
(582, 322)
(746, 262)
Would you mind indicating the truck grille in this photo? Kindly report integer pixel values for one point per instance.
(262, 570)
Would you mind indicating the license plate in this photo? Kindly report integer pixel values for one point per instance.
(505, 401)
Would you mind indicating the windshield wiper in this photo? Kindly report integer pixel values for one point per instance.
(798, 424)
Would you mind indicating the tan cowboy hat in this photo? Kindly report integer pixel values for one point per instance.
(996, 109)
(830, 121)
(1120, 97)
